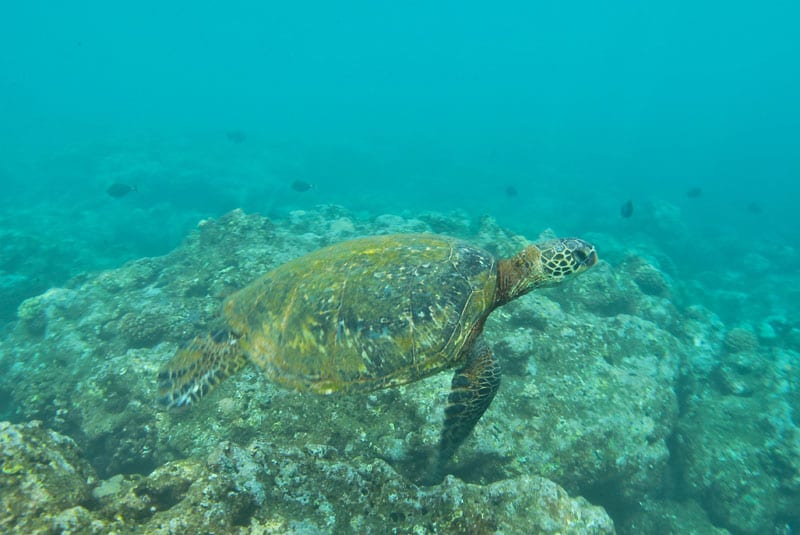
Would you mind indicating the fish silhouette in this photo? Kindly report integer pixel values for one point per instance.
(117, 189)
(694, 193)
(301, 185)
(626, 210)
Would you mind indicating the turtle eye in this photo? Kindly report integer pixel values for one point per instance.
(585, 256)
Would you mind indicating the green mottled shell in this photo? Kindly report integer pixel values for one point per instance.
(366, 313)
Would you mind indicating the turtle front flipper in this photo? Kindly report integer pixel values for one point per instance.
(472, 390)
(198, 367)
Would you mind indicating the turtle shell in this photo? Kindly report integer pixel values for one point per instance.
(367, 313)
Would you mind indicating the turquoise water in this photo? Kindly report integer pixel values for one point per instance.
(410, 107)
(539, 115)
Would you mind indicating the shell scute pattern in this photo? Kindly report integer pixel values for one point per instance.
(369, 313)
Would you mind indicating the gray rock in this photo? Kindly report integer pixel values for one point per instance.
(44, 484)
(740, 457)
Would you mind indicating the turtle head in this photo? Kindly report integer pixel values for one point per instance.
(562, 258)
(543, 264)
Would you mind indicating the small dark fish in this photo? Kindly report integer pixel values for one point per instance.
(754, 208)
(626, 210)
(118, 189)
(300, 185)
(235, 136)
(694, 193)
(511, 191)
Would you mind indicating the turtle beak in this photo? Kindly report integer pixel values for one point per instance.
(584, 253)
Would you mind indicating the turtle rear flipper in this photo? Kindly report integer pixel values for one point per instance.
(197, 368)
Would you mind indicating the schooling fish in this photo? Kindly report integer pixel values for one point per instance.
(626, 210)
(300, 185)
(118, 189)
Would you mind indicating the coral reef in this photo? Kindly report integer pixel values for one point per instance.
(43, 475)
(740, 340)
(567, 401)
(649, 279)
(612, 391)
(738, 444)
(47, 488)
(669, 517)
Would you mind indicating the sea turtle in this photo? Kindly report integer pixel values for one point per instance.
(371, 313)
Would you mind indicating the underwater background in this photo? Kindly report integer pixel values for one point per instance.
(172, 142)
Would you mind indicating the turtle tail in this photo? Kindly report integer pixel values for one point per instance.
(198, 367)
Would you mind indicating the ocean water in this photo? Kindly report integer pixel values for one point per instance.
(386, 109)
(539, 115)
